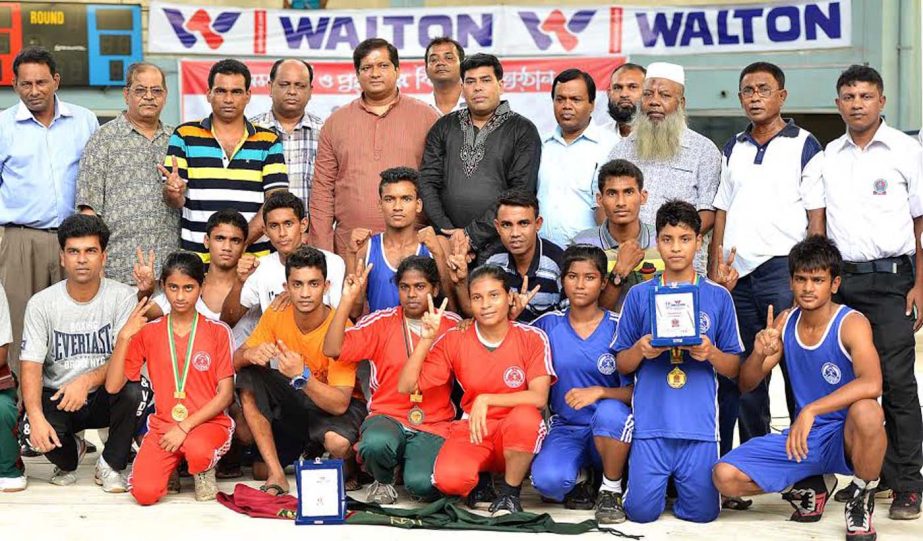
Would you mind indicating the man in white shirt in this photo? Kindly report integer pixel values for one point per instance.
(260, 280)
(571, 156)
(443, 69)
(771, 192)
(625, 86)
(875, 216)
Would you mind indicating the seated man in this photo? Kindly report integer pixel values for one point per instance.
(402, 430)
(835, 375)
(505, 370)
(259, 280)
(295, 399)
(400, 206)
(527, 259)
(675, 389)
(12, 470)
(628, 243)
(591, 423)
(69, 331)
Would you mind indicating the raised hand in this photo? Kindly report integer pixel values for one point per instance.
(725, 273)
(136, 320)
(291, 363)
(143, 271)
(353, 284)
(427, 237)
(769, 340)
(432, 319)
(358, 238)
(246, 266)
(174, 186)
(519, 300)
(458, 267)
(629, 256)
(460, 244)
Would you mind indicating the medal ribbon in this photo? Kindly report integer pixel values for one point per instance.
(663, 280)
(181, 383)
(416, 396)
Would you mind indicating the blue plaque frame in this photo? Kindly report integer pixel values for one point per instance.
(321, 464)
(675, 341)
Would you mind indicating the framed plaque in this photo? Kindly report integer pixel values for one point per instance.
(321, 491)
(675, 315)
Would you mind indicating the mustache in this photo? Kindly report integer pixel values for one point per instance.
(659, 141)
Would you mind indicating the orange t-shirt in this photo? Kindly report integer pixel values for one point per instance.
(211, 363)
(381, 337)
(522, 356)
(274, 326)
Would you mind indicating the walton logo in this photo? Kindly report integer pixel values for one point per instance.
(556, 24)
(202, 23)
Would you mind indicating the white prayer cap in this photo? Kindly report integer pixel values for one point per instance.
(667, 70)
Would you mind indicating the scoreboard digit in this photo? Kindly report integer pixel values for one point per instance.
(113, 43)
(10, 39)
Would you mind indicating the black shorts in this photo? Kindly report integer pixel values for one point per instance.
(298, 425)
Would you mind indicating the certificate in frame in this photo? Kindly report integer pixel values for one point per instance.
(675, 315)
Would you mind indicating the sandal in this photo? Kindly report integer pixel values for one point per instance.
(279, 491)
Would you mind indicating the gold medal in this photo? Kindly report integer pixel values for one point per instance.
(676, 378)
(179, 413)
(416, 416)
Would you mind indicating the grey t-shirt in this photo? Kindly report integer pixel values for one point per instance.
(70, 337)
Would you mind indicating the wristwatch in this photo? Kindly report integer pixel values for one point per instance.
(615, 278)
(298, 382)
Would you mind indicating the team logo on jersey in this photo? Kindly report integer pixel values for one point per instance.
(831, 373)
(201, 361)
(880, 187)
(514, 377)
(704, 322)
(606, 364)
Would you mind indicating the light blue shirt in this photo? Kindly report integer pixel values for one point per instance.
(567, 183)
(39, 165)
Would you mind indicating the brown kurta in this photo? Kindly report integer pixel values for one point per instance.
(355, 146)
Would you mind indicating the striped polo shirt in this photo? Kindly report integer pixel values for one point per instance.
(216, 181)
(544, 272)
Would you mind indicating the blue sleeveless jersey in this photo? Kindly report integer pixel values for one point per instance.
(815, 372)
(578, 362)
(381, 290)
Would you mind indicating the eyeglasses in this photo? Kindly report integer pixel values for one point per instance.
(142, 91)
(763, 91)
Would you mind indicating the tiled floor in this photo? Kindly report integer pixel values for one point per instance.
(85, 512)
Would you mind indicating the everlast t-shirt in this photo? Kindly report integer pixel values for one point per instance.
(70, 337)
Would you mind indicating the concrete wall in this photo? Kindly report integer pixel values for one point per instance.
(885, 35)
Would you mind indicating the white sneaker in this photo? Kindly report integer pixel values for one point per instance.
(382, 493)
(206, 486)
(13, 484)
(112, 481)
(66, 478)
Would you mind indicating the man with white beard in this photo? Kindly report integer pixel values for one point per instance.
(677, 162)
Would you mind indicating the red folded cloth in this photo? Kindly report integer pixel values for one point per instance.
(258, 504)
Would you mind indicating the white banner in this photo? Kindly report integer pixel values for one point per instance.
(503, 30)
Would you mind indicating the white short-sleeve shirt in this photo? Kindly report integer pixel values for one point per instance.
(766, 191)
(873, 194)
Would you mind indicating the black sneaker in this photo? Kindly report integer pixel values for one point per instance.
(484, 492)
(859, 516)
(906, 506)
(849, 491)
(609, 508)
(581, 497)
(809, 497)
(505, 505)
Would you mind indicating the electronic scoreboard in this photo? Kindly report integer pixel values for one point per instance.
(93, 43)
